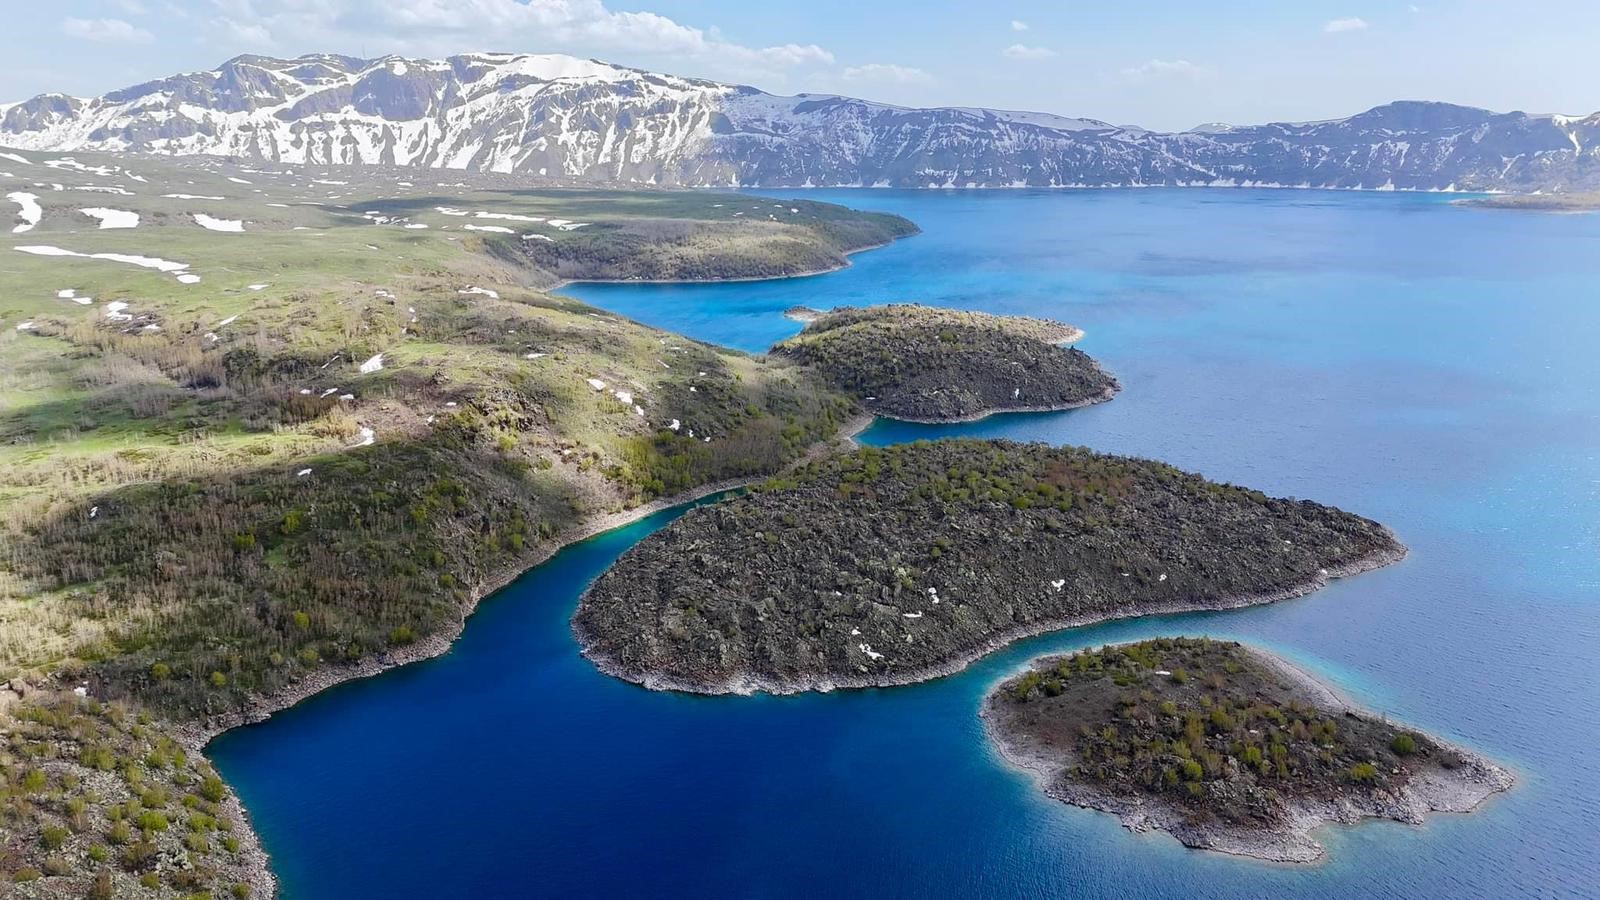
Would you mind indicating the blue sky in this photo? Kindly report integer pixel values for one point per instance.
(1158, 63)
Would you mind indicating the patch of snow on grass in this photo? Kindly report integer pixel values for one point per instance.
(492, 295)
(213, 224)
(372, 365)
(16, 158)
(509, 217)
(112, 218)
(497, 229)
(31, 212)
(257, 287)
(191, 197)
(367, 437)
(146, 262)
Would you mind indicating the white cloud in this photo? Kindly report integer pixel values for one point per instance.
(133, 7)
(1157, 69)
(441, 27)
(887, 73)
(105, 31)
(1022, 51)
(1018, 25)
(1339, 26)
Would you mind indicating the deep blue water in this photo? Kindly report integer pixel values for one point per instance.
(1430, 366)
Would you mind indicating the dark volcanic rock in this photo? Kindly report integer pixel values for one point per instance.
(927, 364)
(890, 566)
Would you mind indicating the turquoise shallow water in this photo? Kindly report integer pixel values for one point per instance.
(1430, 366)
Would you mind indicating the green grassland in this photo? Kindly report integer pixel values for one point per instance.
(203, 499)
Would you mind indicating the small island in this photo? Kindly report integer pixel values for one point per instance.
(924, 364)
(896, 565)
(1225, 747)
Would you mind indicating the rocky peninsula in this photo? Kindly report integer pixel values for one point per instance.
(925, 364)
(1226, 747)
(1557, 202)
(890, 566)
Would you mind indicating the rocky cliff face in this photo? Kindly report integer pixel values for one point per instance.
(560, 116)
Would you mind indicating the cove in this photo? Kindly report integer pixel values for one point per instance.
(1429, 366)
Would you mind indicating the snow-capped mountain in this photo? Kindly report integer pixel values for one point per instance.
(558, 115)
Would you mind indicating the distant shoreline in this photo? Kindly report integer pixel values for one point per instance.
(741, 279)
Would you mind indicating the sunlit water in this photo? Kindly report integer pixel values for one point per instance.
(1433, 367)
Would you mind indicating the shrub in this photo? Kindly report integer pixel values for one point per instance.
(213, 789)
(53, 836)
(161, 671)
(1364, 773)
(137, 856)
(1403, 744)
(152, 821)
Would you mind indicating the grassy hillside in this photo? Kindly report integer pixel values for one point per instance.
(321, 438)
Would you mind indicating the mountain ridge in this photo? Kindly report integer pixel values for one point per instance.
(554, 115)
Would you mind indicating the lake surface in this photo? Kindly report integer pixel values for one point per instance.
(1433, 367)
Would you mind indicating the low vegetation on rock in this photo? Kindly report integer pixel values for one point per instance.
(886, 566)
(96, 801)
(1222, 745)
(929, 364)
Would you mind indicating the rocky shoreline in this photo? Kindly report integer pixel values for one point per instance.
(747, 685)
(1461, 789)
(931, 364)
(716, 604)
(1109, 393)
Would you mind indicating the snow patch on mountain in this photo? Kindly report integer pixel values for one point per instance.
(553, 115)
